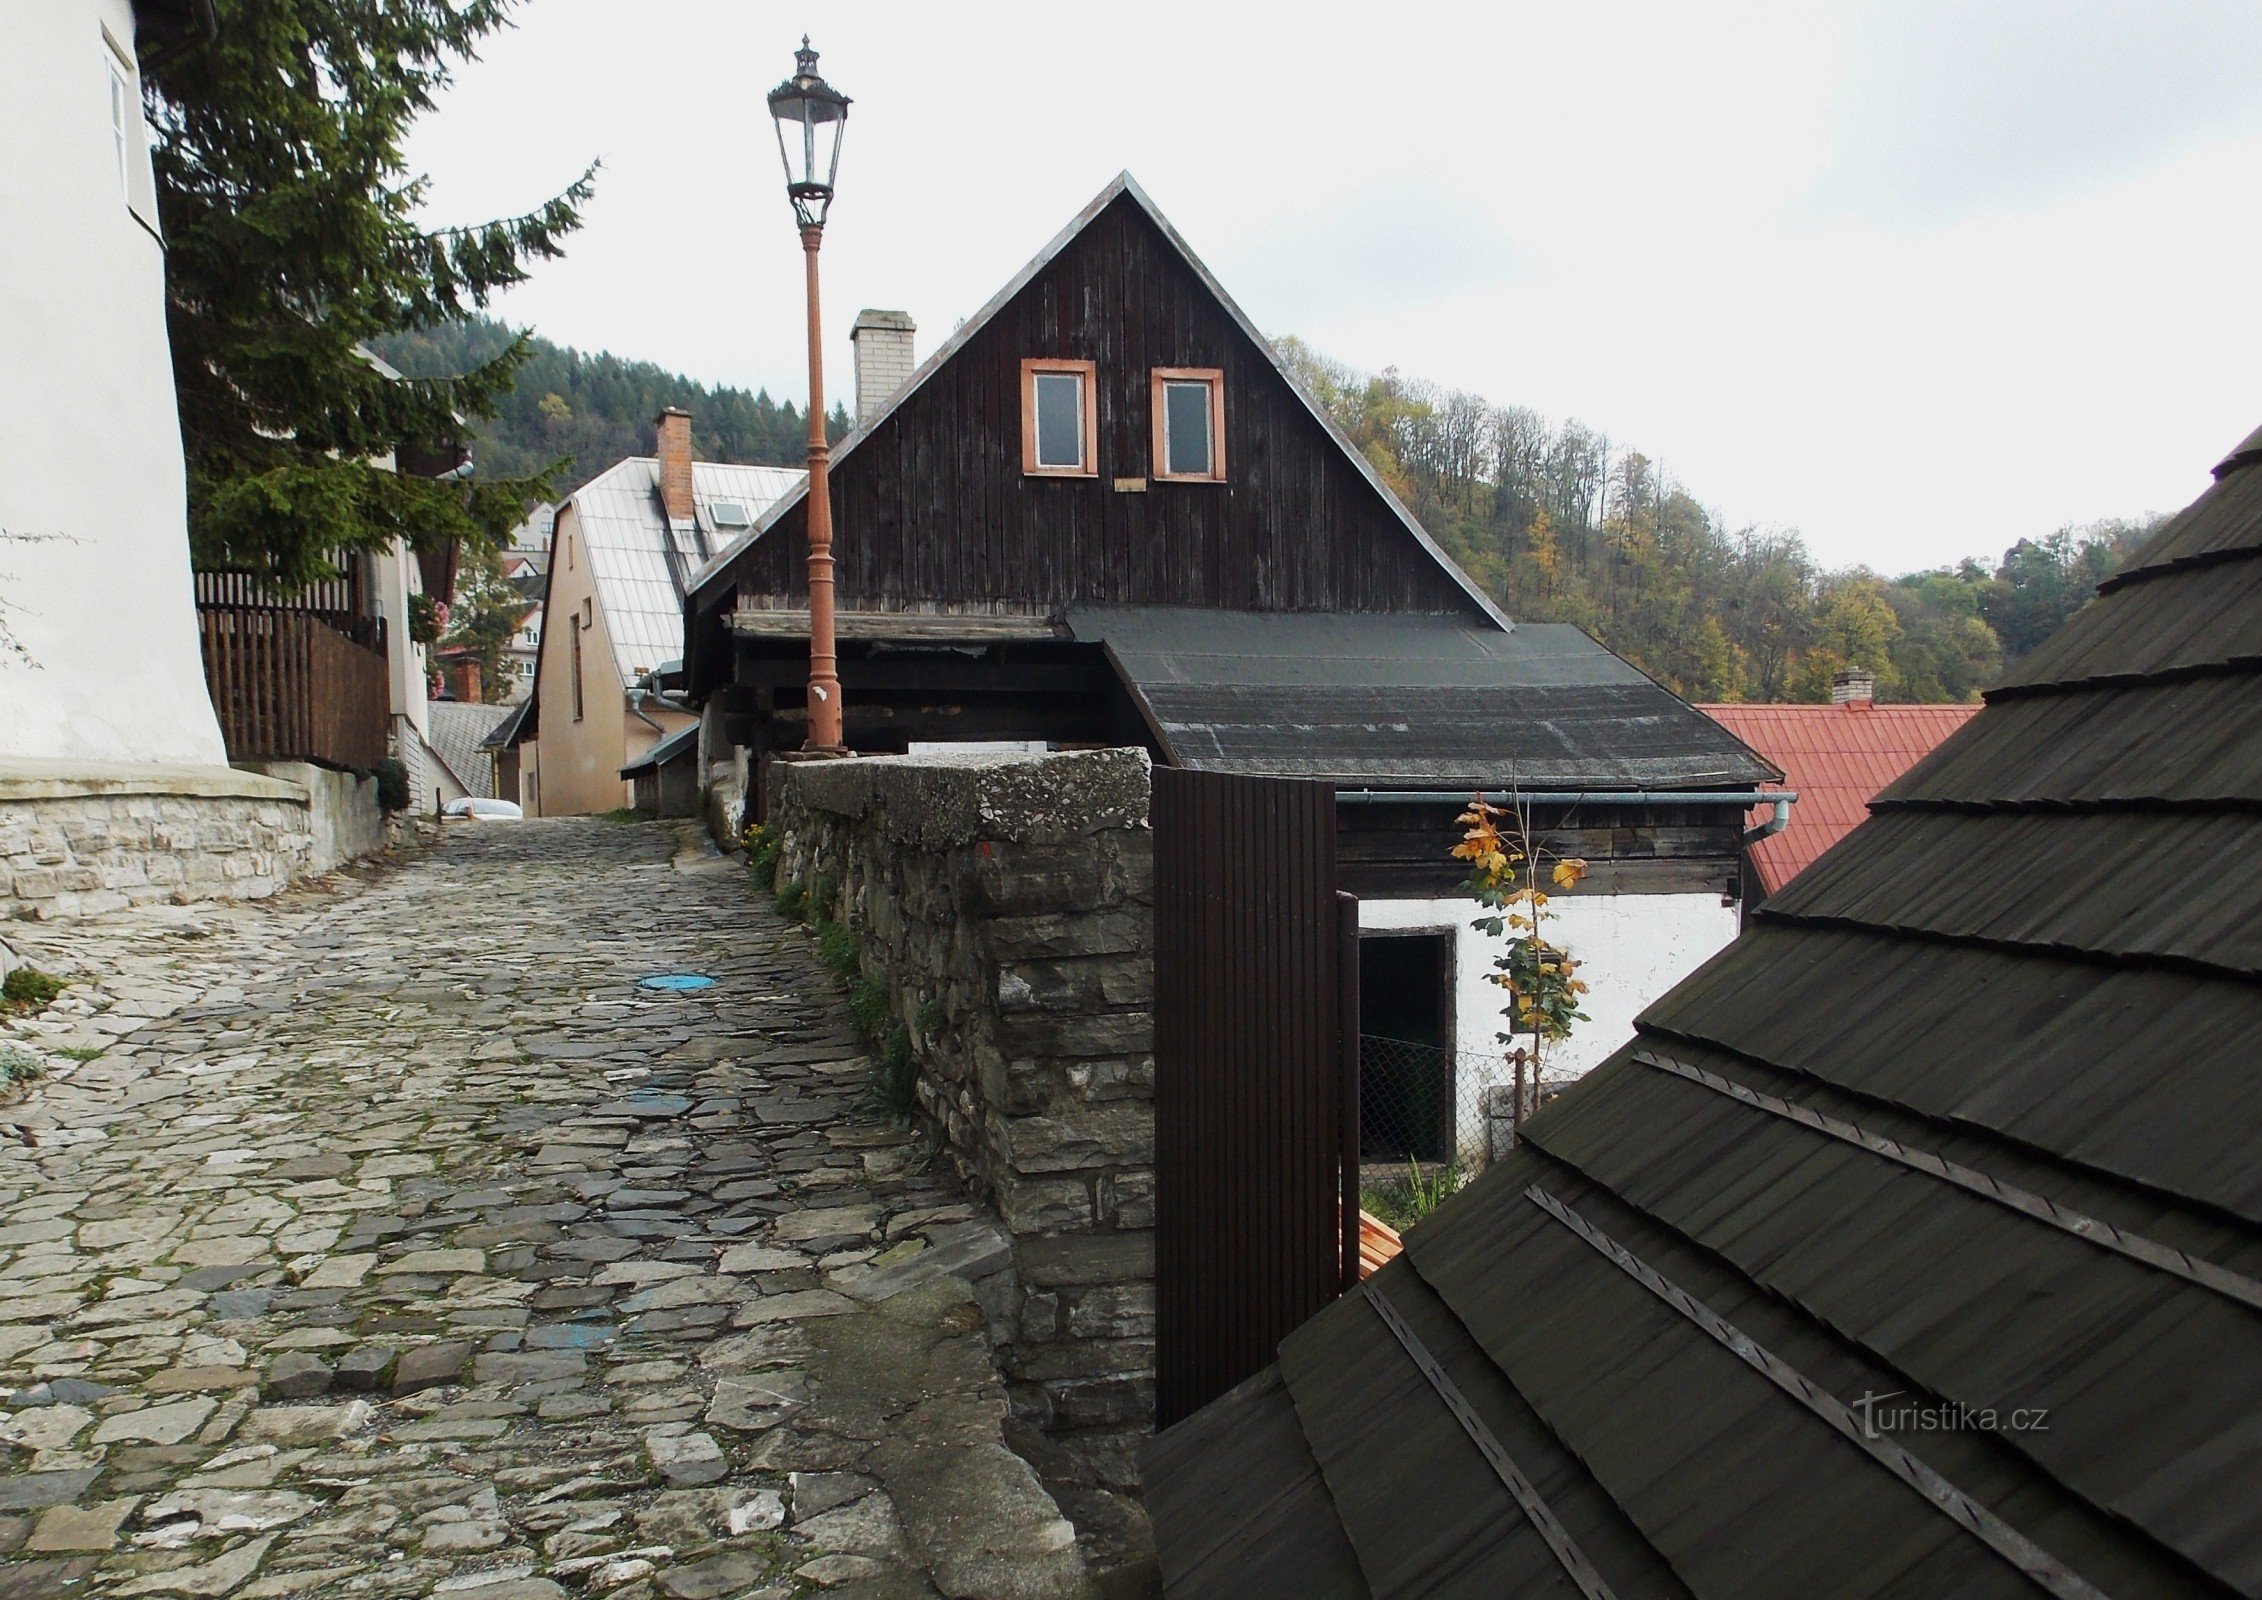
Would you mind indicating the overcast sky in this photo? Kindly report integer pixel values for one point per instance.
(1916, 277)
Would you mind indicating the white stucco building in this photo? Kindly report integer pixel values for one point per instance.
(1631, 948)
(115, 787)
(100, 660)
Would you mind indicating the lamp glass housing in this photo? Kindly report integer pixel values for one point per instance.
(811, 115)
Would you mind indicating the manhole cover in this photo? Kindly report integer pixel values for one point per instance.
(675, 981)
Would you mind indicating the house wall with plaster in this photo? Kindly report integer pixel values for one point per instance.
(1631, 948)
(582, 756)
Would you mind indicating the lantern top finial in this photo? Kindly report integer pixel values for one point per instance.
(805, 96)
(809, 114)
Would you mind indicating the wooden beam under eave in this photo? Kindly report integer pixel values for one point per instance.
(922, 627)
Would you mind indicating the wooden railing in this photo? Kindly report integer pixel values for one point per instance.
(288, 686)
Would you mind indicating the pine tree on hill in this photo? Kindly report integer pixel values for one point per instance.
(591, 410)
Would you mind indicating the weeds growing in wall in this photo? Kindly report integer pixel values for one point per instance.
(762, 844)
(892, 1091)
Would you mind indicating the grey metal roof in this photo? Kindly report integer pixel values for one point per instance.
(641, 564)
(1408, 700)
(1122, 185)
(1965, 1122)
(512, 728)
(684, 741)
(458, 733)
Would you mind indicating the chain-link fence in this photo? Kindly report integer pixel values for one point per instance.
(1426, 1111)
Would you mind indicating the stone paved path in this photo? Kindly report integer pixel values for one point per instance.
(401, 1246)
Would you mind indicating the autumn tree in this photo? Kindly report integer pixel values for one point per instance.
(1562, 526)
(486, 616)
(1510, 873)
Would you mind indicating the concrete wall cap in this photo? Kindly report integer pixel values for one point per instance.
(23, 778)
(937, 800)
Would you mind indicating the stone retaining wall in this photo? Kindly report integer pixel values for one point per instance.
(1007, 902)
(83, 844)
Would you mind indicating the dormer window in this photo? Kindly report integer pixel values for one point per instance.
(1189, 420)
(1060, 431)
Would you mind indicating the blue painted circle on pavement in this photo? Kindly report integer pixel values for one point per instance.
(675, 981)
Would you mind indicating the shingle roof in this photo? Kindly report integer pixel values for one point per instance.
(1408, 699)
(458, 733)
(1837, 758)
(641, 565)
(1962, 1130)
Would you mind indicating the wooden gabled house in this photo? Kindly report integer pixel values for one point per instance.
(1104, 513)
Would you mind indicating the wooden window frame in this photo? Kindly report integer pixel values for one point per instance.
(1215, 378)
(577, 700)
(1088, 374)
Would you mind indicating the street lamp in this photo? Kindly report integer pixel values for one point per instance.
(810, 115)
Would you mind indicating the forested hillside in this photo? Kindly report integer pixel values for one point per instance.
(1566, 525)
(595, 409)
(1561, 523)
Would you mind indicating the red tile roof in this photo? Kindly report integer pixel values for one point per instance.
(1837, 758)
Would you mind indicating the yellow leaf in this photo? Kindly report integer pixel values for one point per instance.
(1569, 871)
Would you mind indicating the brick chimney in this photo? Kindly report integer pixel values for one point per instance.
(674, 450)
(883, 358)
(461, 674)
(1854, 689)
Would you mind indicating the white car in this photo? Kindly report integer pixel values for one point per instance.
(474, 809)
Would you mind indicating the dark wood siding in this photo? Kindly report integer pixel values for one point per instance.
(1387, 852)
(1256, 1098)
(933, 509)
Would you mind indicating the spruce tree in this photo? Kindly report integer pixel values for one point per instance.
(292, 240)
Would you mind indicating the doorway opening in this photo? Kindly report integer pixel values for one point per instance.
(1406, 1045)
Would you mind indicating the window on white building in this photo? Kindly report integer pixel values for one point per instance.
(129, 135)
(125, 121)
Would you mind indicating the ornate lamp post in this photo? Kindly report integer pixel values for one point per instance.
(810, 115)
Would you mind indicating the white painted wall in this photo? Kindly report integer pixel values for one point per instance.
(410, 664)
(90, 441)
(1630, 948)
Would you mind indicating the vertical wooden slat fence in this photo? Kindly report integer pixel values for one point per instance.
(1256, 1076)
(287, 686)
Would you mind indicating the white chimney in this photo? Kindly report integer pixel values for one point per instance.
(883, 359)
(1853, 687)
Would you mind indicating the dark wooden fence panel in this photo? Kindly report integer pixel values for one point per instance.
(1256, 1098)
(289, 687)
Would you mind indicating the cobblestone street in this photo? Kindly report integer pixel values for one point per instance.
(398, 1244)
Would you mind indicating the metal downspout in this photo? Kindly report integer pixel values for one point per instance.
(1774, 824)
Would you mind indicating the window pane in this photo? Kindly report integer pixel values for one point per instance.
(1060, 419)
(1186, 429)
(121, 108)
